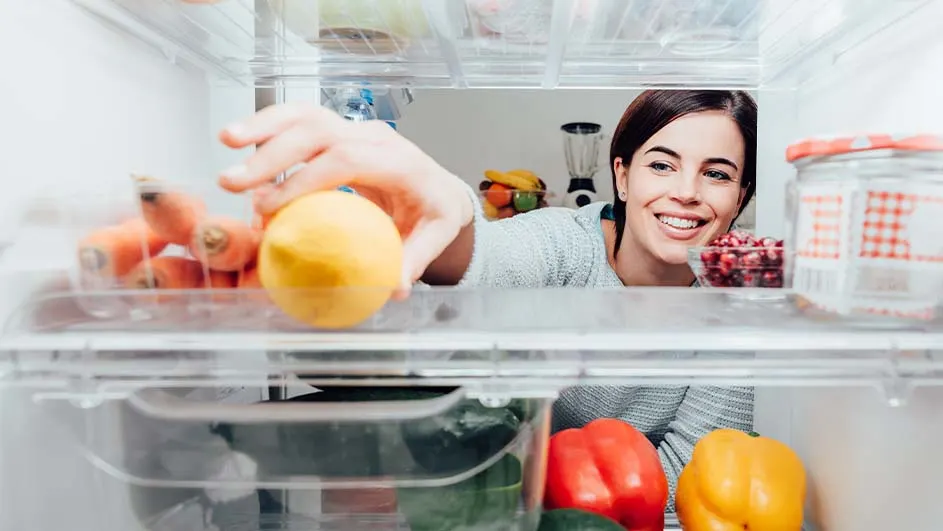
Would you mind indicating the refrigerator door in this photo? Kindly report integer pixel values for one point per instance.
(873, 455)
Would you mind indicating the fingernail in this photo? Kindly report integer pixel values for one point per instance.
(236, 172)
(236, 130)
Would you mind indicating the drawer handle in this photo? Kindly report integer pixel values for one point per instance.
(162, 405)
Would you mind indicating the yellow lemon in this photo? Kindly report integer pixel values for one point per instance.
(330, 259)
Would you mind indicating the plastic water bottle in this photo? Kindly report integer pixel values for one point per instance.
(355, 105)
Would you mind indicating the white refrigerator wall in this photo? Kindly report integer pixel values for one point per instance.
(82, 106)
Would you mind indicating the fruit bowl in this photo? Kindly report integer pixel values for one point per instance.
(739, 260)
(507, 194)
(512, 202)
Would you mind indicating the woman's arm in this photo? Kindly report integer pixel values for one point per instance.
(543, 248)
(702, 410)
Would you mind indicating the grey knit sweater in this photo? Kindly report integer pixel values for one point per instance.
(557, 247)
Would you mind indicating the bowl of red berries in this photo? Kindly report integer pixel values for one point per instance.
(739, 259)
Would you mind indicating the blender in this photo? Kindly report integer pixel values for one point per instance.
(581, 143)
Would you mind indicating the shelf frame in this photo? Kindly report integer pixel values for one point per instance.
(563, 62)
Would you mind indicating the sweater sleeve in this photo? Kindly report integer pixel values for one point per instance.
(543, 248)
(702, 410)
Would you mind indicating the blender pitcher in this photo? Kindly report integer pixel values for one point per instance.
(581, 144)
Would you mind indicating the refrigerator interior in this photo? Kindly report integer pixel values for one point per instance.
(106, 87)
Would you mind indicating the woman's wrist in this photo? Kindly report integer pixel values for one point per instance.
(470, 206)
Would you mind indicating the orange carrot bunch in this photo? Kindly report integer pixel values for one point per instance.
(224, 244)
(222, 251)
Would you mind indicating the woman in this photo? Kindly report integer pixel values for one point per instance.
(683, 168)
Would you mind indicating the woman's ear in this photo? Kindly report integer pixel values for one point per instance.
(621, 173)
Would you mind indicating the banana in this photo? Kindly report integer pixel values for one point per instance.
(516, 179)
(529, 175)
(490, 211)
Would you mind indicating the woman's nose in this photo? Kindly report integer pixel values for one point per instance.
(686, 188)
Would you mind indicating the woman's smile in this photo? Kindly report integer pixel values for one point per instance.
(682, 226)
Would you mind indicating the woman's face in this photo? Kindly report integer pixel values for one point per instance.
(682, 187)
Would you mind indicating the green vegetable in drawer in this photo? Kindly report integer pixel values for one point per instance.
(462, 438)
(576, 520)
(451, 442)
(484, 502)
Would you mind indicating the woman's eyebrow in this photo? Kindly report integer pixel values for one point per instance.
(666, 151)
(721, 160)
(672, 153)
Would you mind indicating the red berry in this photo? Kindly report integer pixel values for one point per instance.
(728, 262)
(772, 279)
(751, 260)
(716, 279)
(745, 238)
(709, 256)
(773, 257)
(749, 279)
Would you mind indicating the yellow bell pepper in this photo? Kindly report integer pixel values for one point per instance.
(737, 481)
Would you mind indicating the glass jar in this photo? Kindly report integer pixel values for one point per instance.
(865, 225)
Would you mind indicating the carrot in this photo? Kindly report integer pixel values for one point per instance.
(224, 244)
(171, 214)
(249, 281)
(115, 250)
(220, 285)
(221, 280)
(166, 272)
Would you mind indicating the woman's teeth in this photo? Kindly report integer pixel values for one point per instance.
(679, 223)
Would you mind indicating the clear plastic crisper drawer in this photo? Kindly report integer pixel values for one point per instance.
(506, 43)
(430, 458)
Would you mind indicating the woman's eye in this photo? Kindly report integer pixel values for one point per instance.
(717, 175)
(660, 167)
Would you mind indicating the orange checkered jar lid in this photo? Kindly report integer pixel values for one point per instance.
(813, 148)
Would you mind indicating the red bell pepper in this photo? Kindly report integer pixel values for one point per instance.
(608, 468)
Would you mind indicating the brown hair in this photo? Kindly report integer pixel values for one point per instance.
(654, 109)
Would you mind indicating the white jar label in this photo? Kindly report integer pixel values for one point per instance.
(870, 247)
(822, 239)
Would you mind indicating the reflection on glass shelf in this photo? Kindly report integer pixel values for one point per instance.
(465, 337)
(508, 43)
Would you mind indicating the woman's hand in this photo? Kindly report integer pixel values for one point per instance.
(428, 204)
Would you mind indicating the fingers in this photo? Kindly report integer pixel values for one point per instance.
(325, 172)
(423, 245)
(295, 145)
(272, 120)
(260, 193)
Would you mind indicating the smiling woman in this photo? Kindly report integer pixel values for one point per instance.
(683, 168)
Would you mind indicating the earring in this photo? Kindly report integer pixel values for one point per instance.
(622, 196)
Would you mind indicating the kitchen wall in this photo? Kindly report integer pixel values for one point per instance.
(473, 130)
(469, 131)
